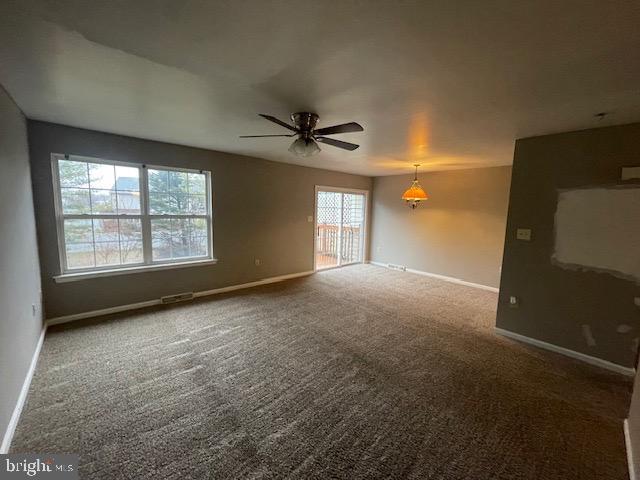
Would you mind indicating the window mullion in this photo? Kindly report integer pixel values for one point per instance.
(146, 219)
(209, 200)
(93, 225)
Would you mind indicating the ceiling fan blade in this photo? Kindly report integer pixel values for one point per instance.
(259, 136)
(279, 122)
(343, 128)
(337, 143)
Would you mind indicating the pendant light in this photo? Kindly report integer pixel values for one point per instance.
(415, 194)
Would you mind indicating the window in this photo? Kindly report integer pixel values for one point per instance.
(113, 215)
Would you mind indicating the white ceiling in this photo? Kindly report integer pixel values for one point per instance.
(449, 84)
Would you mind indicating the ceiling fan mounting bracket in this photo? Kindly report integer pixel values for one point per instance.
(305, 122)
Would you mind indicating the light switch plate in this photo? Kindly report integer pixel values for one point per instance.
(523, 234)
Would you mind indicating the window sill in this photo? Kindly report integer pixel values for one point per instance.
(74, 277)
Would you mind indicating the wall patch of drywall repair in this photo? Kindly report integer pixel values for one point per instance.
(599, 229)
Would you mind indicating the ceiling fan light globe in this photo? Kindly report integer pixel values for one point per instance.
(304, 147)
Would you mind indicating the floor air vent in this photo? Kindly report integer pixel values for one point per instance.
(400, 268)
(180, 297)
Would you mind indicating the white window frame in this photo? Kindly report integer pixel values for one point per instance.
(67, 275)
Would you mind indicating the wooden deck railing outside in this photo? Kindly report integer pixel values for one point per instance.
(327, 245)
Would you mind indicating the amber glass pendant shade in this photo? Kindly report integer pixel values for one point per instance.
(415, 193)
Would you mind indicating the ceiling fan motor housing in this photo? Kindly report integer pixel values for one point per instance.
(305, 122)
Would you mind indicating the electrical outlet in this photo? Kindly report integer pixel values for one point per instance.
(523, 234)
(514, 302)
(257, 262)
(310, 218)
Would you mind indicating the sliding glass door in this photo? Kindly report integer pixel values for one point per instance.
(340, 227)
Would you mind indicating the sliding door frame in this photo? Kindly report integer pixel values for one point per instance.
(365, 227)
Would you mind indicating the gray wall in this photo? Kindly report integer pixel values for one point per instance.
(458, 232)
(260, 211)
(555, 301)
(19, 271)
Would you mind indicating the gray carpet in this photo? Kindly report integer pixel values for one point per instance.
(358, 373)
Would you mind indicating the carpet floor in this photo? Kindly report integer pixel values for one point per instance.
(355, 373)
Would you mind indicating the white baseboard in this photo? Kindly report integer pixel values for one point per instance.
(264, 281)
(149, 303)
(22, 397)
(627, 444)
(103, 311)
(457, 281)
(598, 362)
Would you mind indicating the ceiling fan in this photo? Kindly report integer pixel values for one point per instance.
(304, 127)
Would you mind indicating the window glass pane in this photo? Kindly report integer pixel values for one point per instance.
(178, 182)
(117, 241)
(160, 227)
(179, 203)
(78, 238)
(179, 237)
(130, 230)
(131, 252)
(198, 227)
(179, 249)
(80, 255)
(198, 237)
(103, 201)
(77, 231)
(197, 183)
(161, 248)
(131, 241)
(73, 174)
(158, 180)
(75, 201)
(198, 247)
(128, 203)
(160, 203)
(161, 239)
(107, 253)
(105, 230)
(127, 179)
(174, 203)
(177, 193)
(101, 176)
(197, 205)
